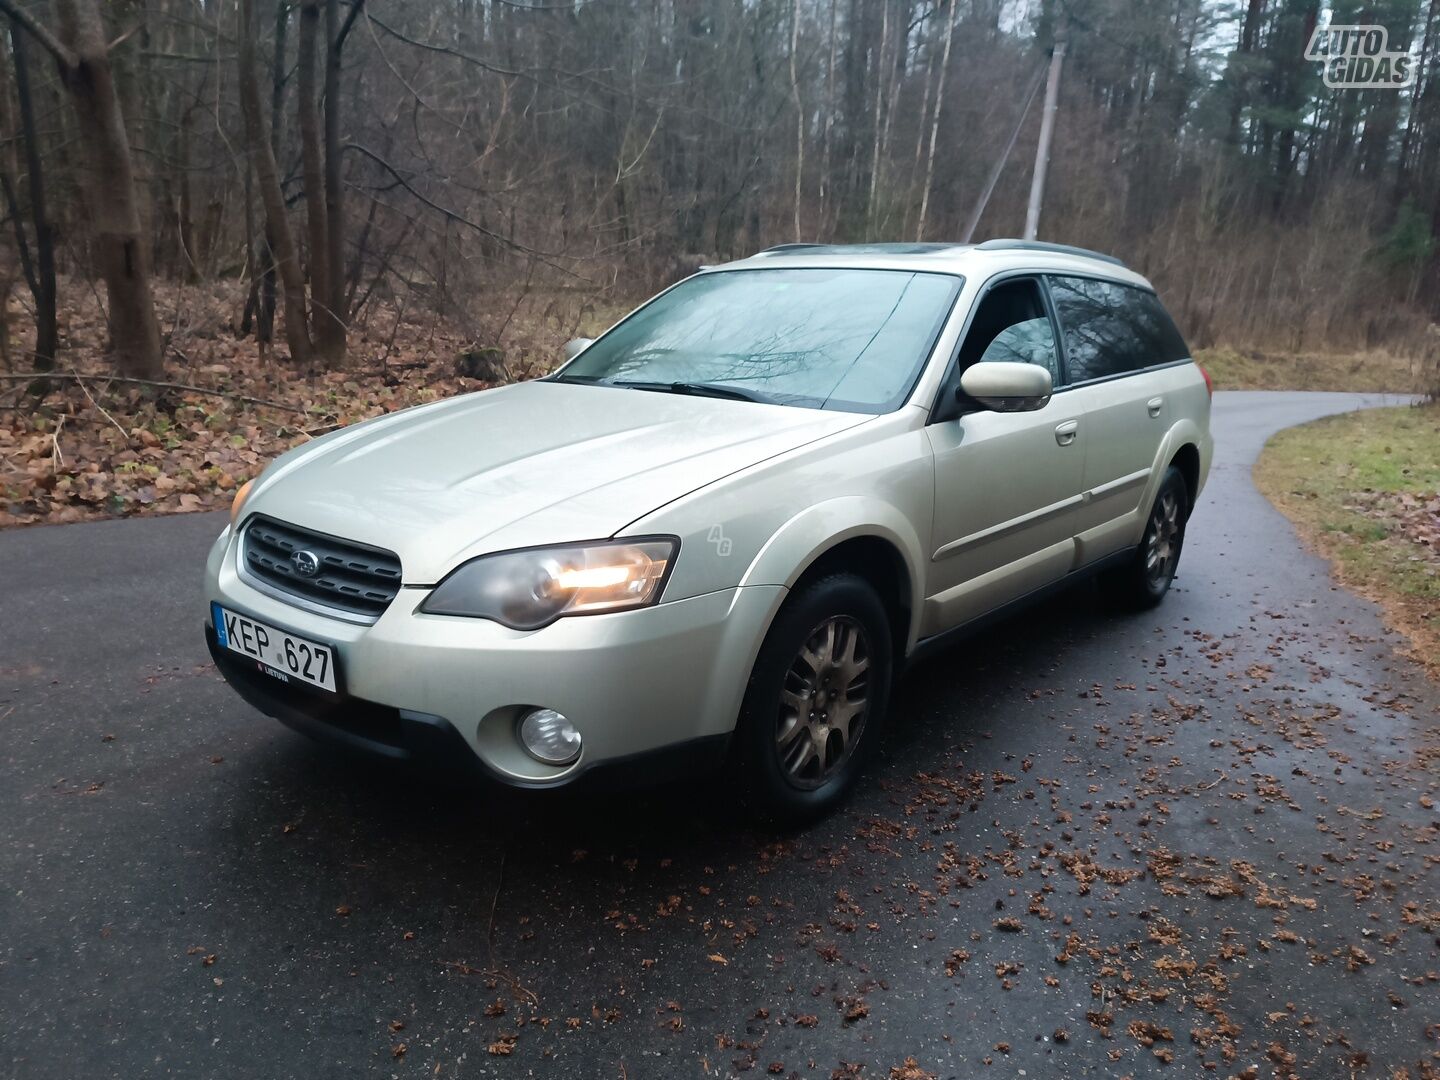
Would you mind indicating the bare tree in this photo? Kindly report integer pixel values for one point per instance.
(799, 109)
(323, 321)
(39, 271)
(829, 123)
(490, 147)
(875, 122)
(121, 249)
(935, 122)
(334, 298)
(267, 176)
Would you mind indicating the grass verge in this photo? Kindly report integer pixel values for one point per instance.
(1366, 372)
(1363, 488)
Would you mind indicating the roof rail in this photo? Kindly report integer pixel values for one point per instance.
(901, 248)
(1004, 244)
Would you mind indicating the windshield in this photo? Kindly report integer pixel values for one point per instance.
(851, 340)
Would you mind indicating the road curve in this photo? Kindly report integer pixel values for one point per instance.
(1181, 843)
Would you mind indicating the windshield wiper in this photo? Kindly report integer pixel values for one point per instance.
(698, 389)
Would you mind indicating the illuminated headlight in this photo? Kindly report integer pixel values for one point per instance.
(549, 737)
(526, 590)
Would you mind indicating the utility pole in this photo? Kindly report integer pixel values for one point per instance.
(1042, 148)
(974, 220)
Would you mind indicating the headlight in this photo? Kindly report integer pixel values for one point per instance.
(526, 590)
(238, 502)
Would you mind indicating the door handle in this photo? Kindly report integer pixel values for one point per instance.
(1065, 433)
(1154, 405)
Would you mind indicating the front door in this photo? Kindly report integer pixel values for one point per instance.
(1007, 485)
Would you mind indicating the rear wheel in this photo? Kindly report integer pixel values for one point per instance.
(1145, 579)
(815, 699)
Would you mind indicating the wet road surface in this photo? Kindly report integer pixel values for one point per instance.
(1199, 841)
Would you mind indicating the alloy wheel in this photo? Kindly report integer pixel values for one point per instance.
(823, 702)
(1162, 548)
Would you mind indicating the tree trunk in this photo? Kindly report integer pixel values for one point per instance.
(321, 320)
(262, 158)
(880, 70)
(265, 330)
(823, 230)
(935, 122)
(185, 209)
(42, 284)
(132, 19)
(334, 192)
(121, 250)
(799, 110)
(1242, 77)
(253, 251)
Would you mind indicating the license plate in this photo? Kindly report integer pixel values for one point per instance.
(278, 653)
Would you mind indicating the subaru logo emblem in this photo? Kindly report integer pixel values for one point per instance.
(306, 563)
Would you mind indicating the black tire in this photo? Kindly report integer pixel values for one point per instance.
(1143, 582)
(840, 612)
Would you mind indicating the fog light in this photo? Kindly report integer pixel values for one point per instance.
(549, 737)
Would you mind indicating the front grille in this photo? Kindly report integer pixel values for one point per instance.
(351, 577)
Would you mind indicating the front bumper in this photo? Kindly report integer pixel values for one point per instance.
(653, 692)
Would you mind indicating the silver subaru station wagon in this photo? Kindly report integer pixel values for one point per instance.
(716, 534)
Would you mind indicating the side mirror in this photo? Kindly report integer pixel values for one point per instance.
(1002, 386)
(575, 346)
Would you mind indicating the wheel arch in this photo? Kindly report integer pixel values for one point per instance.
(878, 545)
(1181, 447)
(1186, 458)
(878, 562)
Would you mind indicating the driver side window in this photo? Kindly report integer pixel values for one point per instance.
(1011, 325)
(1028, 342)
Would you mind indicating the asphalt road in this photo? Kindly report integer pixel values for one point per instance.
(1095, 844)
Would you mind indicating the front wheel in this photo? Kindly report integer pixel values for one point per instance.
(815, 700)
(1144, 580)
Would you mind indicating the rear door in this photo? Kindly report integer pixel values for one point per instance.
(1115, 338)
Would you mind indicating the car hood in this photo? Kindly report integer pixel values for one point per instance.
(522, 465)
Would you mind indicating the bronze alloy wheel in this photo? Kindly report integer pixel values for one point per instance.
(823, 702)
(1162, 546)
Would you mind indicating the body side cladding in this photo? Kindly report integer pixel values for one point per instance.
(927, 647)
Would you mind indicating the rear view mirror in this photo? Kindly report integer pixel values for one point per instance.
(1002, 386)
(575, 346)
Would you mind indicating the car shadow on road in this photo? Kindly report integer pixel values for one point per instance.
(952, 698)
(317, 849)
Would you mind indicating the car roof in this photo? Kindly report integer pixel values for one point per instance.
(979, 261)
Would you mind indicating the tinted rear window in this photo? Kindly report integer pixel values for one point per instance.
(1113, 329)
